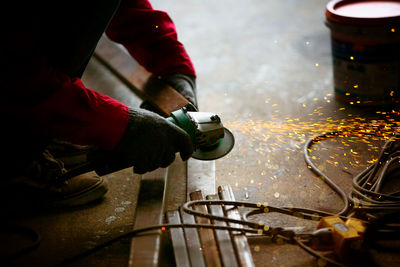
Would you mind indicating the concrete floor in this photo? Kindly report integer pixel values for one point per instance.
(265, 67)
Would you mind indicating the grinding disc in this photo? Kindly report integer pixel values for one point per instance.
(224, 147)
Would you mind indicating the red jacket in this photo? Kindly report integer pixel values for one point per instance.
(61, 107)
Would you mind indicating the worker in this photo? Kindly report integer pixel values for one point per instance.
(47, 45)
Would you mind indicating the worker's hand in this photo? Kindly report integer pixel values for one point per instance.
(150, 142)
(183, 84)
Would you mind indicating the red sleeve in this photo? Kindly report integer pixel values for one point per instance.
(150, 37)
(82, 116)
(50, 102)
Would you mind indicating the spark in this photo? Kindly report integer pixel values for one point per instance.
(288, 135)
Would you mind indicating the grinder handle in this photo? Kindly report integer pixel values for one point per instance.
(182, 119)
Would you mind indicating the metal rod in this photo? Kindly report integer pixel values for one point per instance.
(208, 243)
(224, 240)
(192, 241)
(178, 240)
(242, 247)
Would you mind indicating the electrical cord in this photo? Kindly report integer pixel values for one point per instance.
(385, 228)
(315, 253)
(365, 196)
(325, 178)
(366, 186)
(245, 226)
(309, 214)
(152, 228)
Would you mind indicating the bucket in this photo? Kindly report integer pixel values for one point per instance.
(365, 40)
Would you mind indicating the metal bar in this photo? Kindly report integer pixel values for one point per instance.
(116, 59)
(178, 240)
(192, 241)
(224, 241)
(208, 243)
(242, 247)
(201, 176)
(176, 185)
(145, 248)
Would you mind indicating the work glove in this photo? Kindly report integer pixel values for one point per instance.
(149, 142)
(183, 84)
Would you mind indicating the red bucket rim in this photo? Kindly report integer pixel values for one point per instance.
(332, 13)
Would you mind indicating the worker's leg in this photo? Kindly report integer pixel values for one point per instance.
(70, 37)
(68, 33)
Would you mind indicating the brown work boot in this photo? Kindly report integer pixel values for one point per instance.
(38, 184)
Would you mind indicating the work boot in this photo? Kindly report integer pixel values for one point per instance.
(38, 183)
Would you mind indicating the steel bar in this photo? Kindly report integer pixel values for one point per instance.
(145, 248)
(207, 239)
(193, 241)
(201, 176)
(178, 240)
(224, 240)
(115, 58)
(242, 247)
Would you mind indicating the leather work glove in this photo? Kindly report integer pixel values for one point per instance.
(183, 84)
(150, 142)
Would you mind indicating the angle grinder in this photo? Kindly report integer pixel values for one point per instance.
(211, 140)
(209, 137)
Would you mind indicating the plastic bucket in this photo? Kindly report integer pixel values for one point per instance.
(365, 38)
